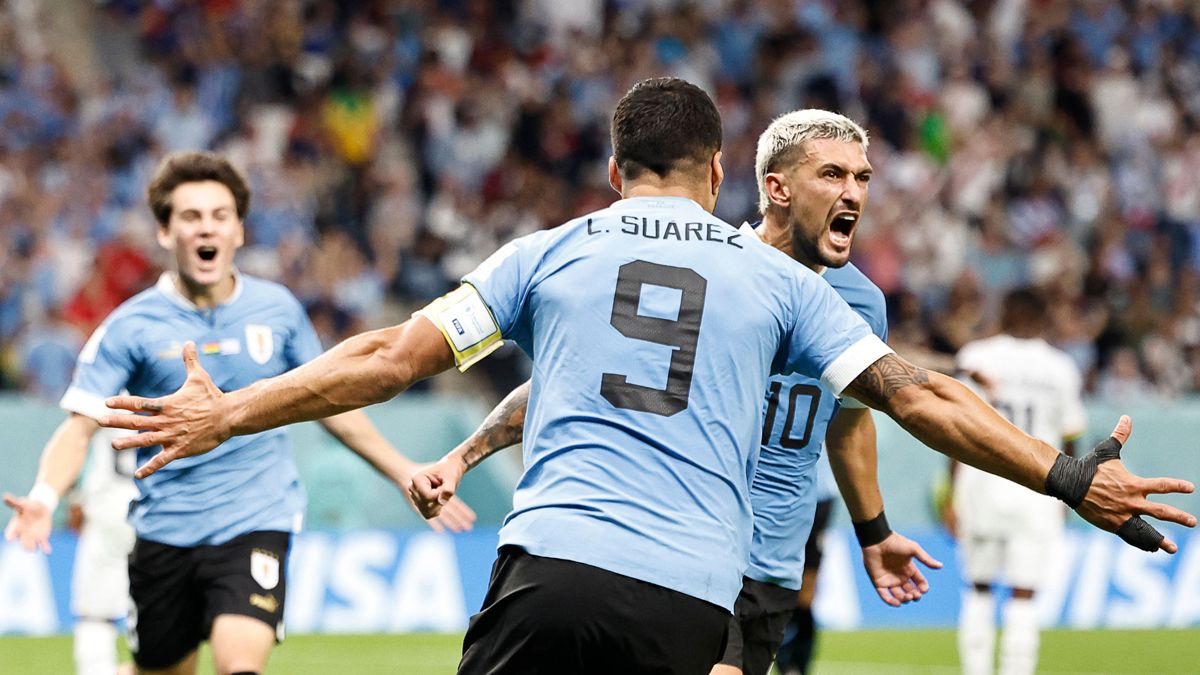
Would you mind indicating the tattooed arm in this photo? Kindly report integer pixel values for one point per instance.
(945, 415)
(434, 486)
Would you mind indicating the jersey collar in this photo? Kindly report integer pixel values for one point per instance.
(166, 286)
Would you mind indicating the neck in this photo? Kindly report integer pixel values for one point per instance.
(669, 189)
(777, 232)
(206, 296)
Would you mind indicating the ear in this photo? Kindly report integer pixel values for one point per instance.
(241, 235)
(164, 237)
(777, 189)
(614, 175)
(718, 173)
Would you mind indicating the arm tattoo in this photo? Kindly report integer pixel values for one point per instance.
(882, 379)
(504, 426)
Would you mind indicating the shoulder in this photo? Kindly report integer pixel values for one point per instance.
(860, 293)
(262, 291)
(147, 306)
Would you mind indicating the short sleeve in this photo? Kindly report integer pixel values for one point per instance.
(829, 340)
(1074, 417)
(104, 367)
(874, 311)
(503, 280)
(303, 344)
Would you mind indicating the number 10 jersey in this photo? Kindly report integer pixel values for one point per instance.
(653, 326)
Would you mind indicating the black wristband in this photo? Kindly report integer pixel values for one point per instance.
(873, 531)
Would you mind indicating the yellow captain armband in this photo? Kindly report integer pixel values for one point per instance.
(467, 324)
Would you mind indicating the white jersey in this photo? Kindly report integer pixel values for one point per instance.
(1037, 388)
(100, 585)
(108, 486)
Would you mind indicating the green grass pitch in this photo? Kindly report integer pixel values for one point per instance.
(883, 652)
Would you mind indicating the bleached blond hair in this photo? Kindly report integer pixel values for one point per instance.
(787, 135)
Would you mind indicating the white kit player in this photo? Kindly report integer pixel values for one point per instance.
(100, 580)
(1007, 532)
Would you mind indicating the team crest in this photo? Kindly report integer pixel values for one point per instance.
(264, 567)
(260, 343)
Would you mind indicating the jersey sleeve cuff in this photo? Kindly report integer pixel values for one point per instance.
(852, 362)
(85, 403)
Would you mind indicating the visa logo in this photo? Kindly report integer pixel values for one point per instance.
(458, 327)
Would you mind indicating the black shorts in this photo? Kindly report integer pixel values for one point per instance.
(178, 592)
(545, 616)
(815, 547)
(756, 628)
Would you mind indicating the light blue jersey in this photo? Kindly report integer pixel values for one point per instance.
(247, 483)
(653, 326)
(789, 480)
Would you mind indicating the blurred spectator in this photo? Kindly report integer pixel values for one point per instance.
(393, 145)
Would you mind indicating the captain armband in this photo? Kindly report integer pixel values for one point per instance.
(467, 324)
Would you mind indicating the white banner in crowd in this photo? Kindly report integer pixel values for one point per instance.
(372, 581)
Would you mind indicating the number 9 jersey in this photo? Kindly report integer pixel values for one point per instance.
(653, 326)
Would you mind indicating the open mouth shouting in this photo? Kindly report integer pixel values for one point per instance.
(841, 229)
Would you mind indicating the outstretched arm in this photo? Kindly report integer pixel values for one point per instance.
(433, 487)
(887, 556)
(62, 461)
(942, 413)
(355, 430)
(368, 368)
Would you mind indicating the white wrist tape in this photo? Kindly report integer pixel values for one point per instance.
(45, 495)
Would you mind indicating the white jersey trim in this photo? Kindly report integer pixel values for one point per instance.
(85, 403)
(852, 362)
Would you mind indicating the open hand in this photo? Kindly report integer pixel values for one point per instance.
(185, 423)
(30, 524)
(1116, 499)
(896, 577)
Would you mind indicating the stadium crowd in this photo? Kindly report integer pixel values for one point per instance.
(391, 145)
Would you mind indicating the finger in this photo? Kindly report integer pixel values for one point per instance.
(919, 580)
(885, 594)
(1162, 486)
(191, 362)
(435, 524)
(134, 403)
(1168, 546)
(15, 503)
(10, 530)
(144, 440)
(131, 422)
(423, 489)
(911, 589)
(1140, 534)
(156, 462)
(1167, 513)
(458, 516)
(1123, 429)
(927, 560)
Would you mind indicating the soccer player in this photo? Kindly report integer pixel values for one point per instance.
(212, 533)
(804, 208)
(1006, 532)
(100, 578)
(653, 327)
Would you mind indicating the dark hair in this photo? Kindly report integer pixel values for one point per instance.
(663, 124)
(194, 167)
(1024, 311)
